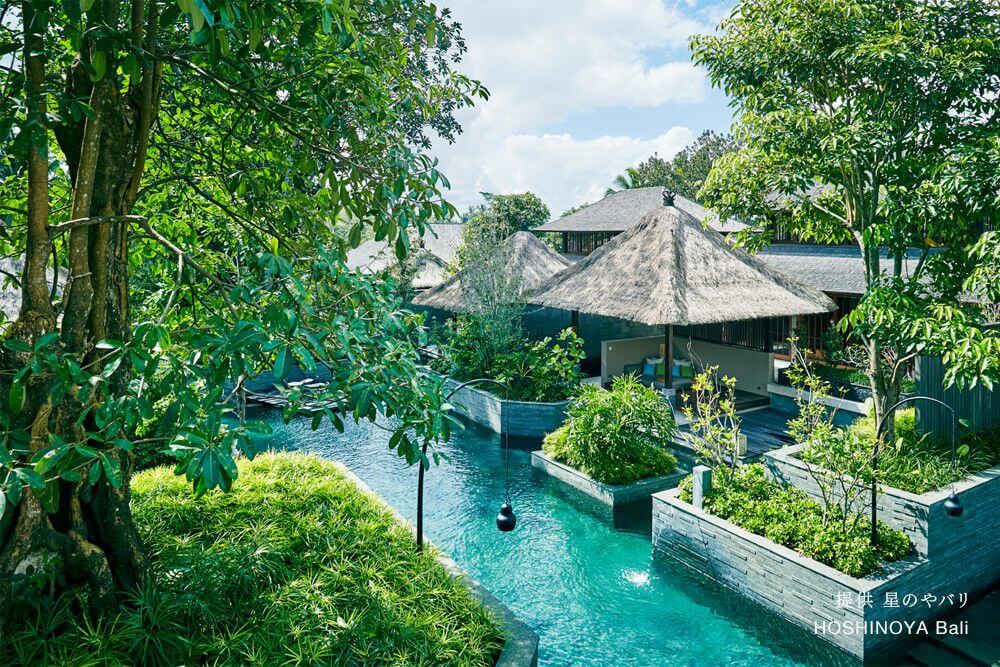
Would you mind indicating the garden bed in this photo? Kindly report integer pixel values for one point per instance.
(614, 495)
(920, 516)
(801, 589)
(522, 418)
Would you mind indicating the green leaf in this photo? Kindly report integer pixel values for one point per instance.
(17, 345)
(111, 469)
(283, 363)
(99, 63)
(30, 477)
(15, 399)
(46, 340)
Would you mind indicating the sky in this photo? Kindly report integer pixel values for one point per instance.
(579, 90)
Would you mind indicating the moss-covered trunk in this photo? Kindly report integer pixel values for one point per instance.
(76, 536)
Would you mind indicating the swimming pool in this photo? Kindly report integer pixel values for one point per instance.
(588, 584)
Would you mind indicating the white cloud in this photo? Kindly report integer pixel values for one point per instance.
(563, 171)
(544, 61)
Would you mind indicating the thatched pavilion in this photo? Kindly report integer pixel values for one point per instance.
(668, 271)
(523, 262)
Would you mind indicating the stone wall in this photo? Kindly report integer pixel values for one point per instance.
(920, 516)
(523, 418)
(847, 412)
(806, 592)
(615, 495)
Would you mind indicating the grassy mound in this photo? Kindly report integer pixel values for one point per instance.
(294, 566)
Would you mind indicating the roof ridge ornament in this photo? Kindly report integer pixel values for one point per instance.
(668, 197)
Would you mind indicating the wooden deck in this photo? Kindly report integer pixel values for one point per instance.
(765, 430)
(277, 400)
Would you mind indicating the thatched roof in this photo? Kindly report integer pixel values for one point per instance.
(623, 209)
(669, 270)
(833, 269)
(436, 253)
(527, 262)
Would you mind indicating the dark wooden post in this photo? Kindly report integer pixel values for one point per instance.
(574, 321)
(668, 357)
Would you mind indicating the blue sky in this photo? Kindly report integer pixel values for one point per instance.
(580, 89)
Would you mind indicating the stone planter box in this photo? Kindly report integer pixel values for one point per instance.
(614, 495)
(521, 646)
(783, 400)
(920, 516)
(814, 595)
(526, 419)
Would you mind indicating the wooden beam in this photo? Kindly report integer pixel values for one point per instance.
(668, 358)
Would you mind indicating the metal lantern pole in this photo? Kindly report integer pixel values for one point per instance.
(506, 512)
(952, 505)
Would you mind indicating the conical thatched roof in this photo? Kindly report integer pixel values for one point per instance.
(527, 263)
(669, 270)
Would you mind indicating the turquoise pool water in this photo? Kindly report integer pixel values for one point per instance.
(590, 586)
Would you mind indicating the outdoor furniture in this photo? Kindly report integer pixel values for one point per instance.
(653, 374)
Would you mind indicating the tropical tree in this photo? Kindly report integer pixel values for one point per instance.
(188, 168)
(684, 174)
(873, 122)
(499, 217)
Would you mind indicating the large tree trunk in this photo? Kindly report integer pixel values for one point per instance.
(76, 537)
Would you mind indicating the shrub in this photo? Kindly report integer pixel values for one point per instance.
(912, 462)
(294, 566)
(787, 516)
(617, 436)
(542, 370)
(714, 426)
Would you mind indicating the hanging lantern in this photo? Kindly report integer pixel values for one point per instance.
(952, 505)
(506, 519)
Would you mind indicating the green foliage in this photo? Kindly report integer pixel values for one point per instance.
(541, 370)
(714, 427)
(618, 436)
(838, 131)
(788, 516)
(295, 566)
(685, 173)
(833, 345)
(911, 462)
(501, 216)
(281, 133)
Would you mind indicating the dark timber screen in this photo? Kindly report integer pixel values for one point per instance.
(979, 407)
(750, 334)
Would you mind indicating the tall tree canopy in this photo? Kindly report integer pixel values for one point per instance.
(685, 173)
(874, 121)
(498, 218)
(196, 171)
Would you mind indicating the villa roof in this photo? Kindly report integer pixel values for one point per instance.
(527, 261)
(439, 246)
(669, 270)
(833, 269)
(621, 210)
